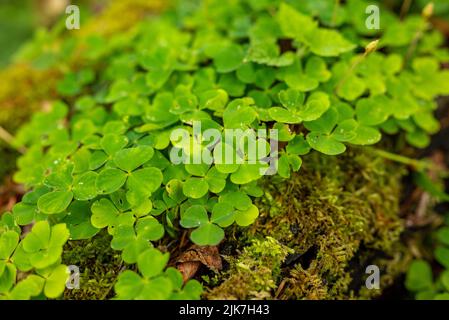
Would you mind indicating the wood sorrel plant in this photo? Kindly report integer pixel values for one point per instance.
(99, 158)
(420, 279)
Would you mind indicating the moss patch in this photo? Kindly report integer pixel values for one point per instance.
(337, 216)
(254, 273)
(99, 267)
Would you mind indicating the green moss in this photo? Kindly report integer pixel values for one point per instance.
(255, 273)
(99, 267)
(338, 215)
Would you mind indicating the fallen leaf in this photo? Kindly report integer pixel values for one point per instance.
(190, 260)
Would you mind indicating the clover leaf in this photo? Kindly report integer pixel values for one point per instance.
(125, 239)
(8, 243)
(419, 276)
(8, 223)
(100, 159)
(229, 58)
(110, 180)
(238, 200)
(31, 286)
(293, 23)
(24, 213)
(152, 262)
(298, 146)
(145, 181)
(288, 162)
(206, 232)
(214, 99)
(111, 143)
(442, 255)
(239, 114)
(284, 116)
(155, 283)
(54, 202)
(55, 282)
(372, 111)
(248, 172)
(292, 99)
(246, 217)
(78, 221)
(223, 214)
(216, 180)
(104, 213)
(244, 164)
(194, 217)
(365, 135)
(325, 143)
(43, 245)
(84, 186)
(195, 187)
(317, 69)
(132, 158)
(349, 85)
(327, 42)
(72, 83)
(296, 110)
(131, 286)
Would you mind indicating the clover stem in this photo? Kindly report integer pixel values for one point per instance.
(405, 8)
(418, 165)
(9, 139)
(426, 14)
(413, 45)
(335, 12)
(371, 47)
(350, 71)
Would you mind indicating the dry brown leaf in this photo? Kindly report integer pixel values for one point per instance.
(190, 260)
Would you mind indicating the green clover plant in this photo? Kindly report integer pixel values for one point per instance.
(100, 156)
(40, 251)
(420, 279)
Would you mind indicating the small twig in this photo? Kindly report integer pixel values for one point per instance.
(280, 288)
(183, 241)
(423, 206)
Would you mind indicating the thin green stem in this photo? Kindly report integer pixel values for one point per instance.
(413, 45)
(9, 139)
(335, 13)
(405, 8)
(418, 165)
(358, 60)
(426, 15)
(371, 47)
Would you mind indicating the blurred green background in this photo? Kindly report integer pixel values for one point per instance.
(19, 19)
(17, 22)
